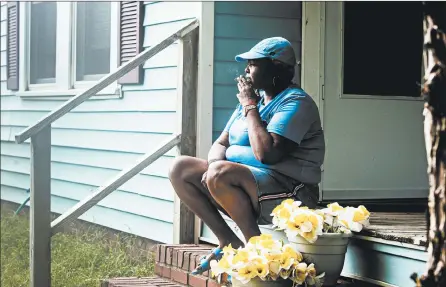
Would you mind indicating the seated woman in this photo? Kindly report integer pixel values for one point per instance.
(271, 149)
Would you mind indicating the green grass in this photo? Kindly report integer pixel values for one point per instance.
(78, 258)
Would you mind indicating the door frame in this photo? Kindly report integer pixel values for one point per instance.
(205, 90)
(338, 8)
(313, 58)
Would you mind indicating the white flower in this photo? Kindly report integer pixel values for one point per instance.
(354, 218)
(306, 223)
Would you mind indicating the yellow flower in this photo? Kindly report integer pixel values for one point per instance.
(296, 255)
(343, 222)
(221, 266)
(245, 274)
(361, 214)
(335, 207)
(274, 268)
(254, 240)
(269, 244)
(285, 273)
(364, 210)
(242, 256)
(227, 250)
(284, 213)
(288, 201)
(311, 271)
(305, 223)
(310, 236)
(300, 218)
(358, 216)
(286, 261)
(265, 258)
(265, 236)
(270, 256)
(277, 209)
(300, 273)
(261, 267)
(354, 218)
(314, 220)
(319, 212)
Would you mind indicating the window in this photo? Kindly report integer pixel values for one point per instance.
(70, 44)
(93, 29)
(380, 50)
(42, 43)
(60, 48)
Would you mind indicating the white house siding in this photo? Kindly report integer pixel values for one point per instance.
(98, 139)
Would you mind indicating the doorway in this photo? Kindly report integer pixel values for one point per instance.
(372, 111)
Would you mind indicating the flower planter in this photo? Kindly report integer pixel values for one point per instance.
(257, 282)
(327, 253)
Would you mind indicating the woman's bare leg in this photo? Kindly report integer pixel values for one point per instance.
(185, 176)
(234, 188)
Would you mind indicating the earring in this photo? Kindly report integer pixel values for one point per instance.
(274, 81)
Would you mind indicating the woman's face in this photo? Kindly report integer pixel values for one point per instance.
(259, 73)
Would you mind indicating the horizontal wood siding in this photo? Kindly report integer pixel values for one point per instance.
(98, 139)
(238, 27)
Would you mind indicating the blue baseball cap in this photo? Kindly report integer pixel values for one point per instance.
(275, 48)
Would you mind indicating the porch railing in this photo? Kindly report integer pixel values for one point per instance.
(41, 227)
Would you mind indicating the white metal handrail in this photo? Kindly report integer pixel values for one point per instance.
(82, 206)
(104, 82)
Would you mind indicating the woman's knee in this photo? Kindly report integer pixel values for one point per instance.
(184, 168)
(218, 175)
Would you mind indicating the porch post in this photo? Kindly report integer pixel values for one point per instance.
(184, 219)
(40, 209)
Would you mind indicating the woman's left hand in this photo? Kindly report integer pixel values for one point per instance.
(246, 95)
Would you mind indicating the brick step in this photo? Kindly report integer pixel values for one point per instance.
(174, 262)
(157, 281)
(154, 281)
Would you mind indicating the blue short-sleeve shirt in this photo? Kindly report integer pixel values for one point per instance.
(294, 115)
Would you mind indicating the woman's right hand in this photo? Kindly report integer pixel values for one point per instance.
(203, 179)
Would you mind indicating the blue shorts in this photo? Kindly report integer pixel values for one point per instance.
(273, 188)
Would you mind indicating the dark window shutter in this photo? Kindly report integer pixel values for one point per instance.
(131, 37)
(12, 44)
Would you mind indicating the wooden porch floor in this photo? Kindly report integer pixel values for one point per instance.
(405, 227)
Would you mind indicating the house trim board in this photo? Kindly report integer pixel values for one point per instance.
(205, 79)
(364, 252)
(205, 87)
(374, 193)
(313, 50)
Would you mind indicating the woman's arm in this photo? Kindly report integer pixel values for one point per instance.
(268, 148)
(218, 149)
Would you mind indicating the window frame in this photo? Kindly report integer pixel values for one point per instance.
(65, 84)
(364, 97)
